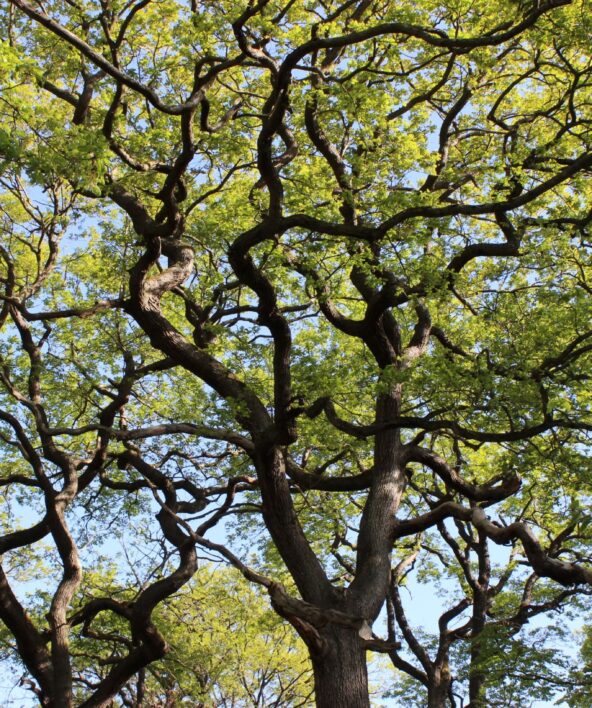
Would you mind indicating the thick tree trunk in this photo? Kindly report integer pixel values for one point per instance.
(437, 698)
(477, 676)
(341, 675)
(440, 680)
(373, 563)
(438, 694)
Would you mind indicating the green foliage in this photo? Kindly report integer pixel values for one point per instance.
(226, 647)
(578, 692)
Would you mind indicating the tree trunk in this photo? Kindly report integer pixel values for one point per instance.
(341, 675)
(439, 683)
(477, 696)
(438, 694)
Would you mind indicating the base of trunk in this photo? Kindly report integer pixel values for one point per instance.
(341, 674)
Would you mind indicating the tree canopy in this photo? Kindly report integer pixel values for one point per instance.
(303, 287)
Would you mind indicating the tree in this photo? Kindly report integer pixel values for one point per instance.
(246, 655)
(578, 693)
(490, 655)
(237, 652)
(319, 266)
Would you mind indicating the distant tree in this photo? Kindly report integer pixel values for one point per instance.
(484, 649)
(315, 274)
(227, 648)
(579, 687)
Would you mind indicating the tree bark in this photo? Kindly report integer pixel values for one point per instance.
(373, 563)
(477, 698)
(437, 697)
(340, 674)
(438, 688)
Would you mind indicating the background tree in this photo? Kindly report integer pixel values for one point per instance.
(484, 650)
(323, 266)
(577, 694)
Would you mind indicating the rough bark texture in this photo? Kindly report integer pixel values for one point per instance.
(340, 675)
(439, 687)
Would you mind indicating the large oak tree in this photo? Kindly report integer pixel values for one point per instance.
(319, 267)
